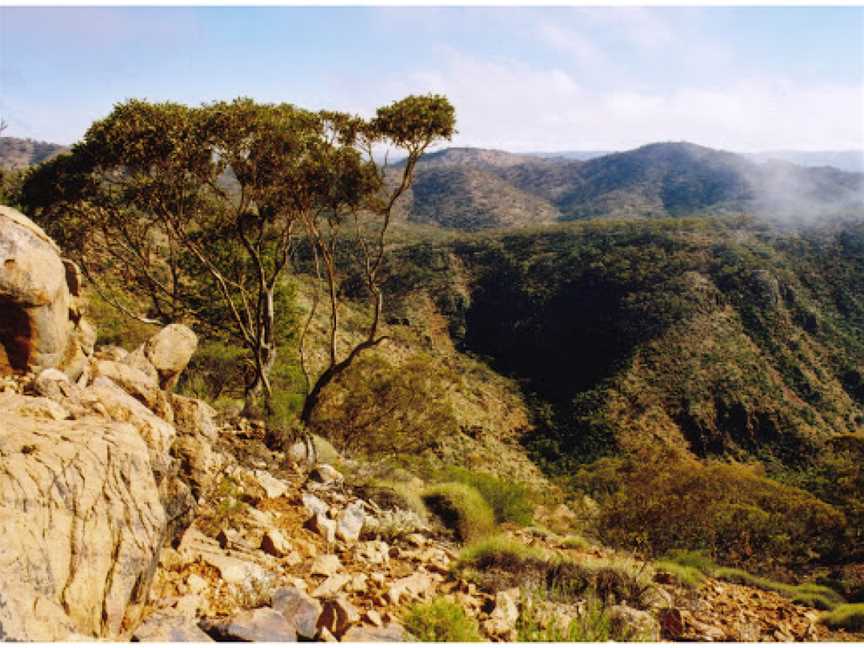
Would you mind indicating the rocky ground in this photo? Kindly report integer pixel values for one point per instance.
(128, 511)
(300, 557)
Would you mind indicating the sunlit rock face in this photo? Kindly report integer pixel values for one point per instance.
(40, 325)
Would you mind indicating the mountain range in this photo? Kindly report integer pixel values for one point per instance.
(474, 189)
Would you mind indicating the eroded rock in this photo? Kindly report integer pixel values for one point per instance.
(81, 523)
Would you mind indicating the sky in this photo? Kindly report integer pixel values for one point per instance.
(520, 78)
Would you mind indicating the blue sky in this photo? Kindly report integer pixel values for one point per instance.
(520, 78)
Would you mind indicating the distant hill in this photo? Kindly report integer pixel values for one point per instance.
(474, 189)
(852, 161)
(17, 153)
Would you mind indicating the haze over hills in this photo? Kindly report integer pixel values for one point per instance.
(18, 153)
(850, 160)
(473, 189)
(656, 180)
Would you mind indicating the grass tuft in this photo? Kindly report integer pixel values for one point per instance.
(846, 617)
(441, 620)
(461, 509)
(510, 500)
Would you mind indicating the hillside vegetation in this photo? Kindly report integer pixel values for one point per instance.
(473, 189)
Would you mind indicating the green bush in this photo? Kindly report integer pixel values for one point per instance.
(684, 574)
(692, 567)
(808, 594)
(376, 408)
(441, 620)
(509, 499)
(655, 503)
(461, 509)
(498, 563)
(848, 617)
(574, 541)
(499, 551)
(593, 625)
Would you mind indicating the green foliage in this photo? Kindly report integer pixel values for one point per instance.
(592, 625)
(684, 574)
(574, 541)
(692, 567)
(113, 326)
(809, 594)
(847, 617)
(441, 620)
(196, 210)
(499, 551)
(462, 509)
(510, 499)
(498, 562)
(228, 505)
(659, 503)
(376, 408)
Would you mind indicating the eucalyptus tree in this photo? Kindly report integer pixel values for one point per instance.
(195, 211)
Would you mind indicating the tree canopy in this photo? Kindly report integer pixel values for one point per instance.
(198, 211)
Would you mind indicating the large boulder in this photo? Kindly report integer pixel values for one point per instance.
(169, 351)
(40, 322)
(81, 526)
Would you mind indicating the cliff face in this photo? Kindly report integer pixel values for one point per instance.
(91, 488)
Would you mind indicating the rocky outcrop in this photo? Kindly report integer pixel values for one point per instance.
(94, 475)
(40, 320)
(81, 526)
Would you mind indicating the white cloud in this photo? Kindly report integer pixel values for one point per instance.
(514, 106)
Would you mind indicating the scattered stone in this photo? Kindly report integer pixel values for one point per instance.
(349, 525)
(275, 544)
(358, 583)
(633, 624)
(325, 565)
(273, 487)
(261, 624)
(314, 504)
(325, 474)
(414, 586)
(300, 608)
(196, 584)
(323, 526)
(372, 617)
(325, 635)
(331, 586)
(416, 539)
(162, 627)
(373, 552)
(169, 351)
(338, 616)
(502, 621)
(390, 633)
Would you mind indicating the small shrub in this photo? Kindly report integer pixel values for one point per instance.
(392, 524)
(614, 579)
(592, 625)
(683, 574)
(509, 499)
(499, 551)
(376, 408)
(847, 617)
(228, 507)
(657, 502)
(574, 541)
(461, 509)
(499, 563)
(808, 594)
(441, 620)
